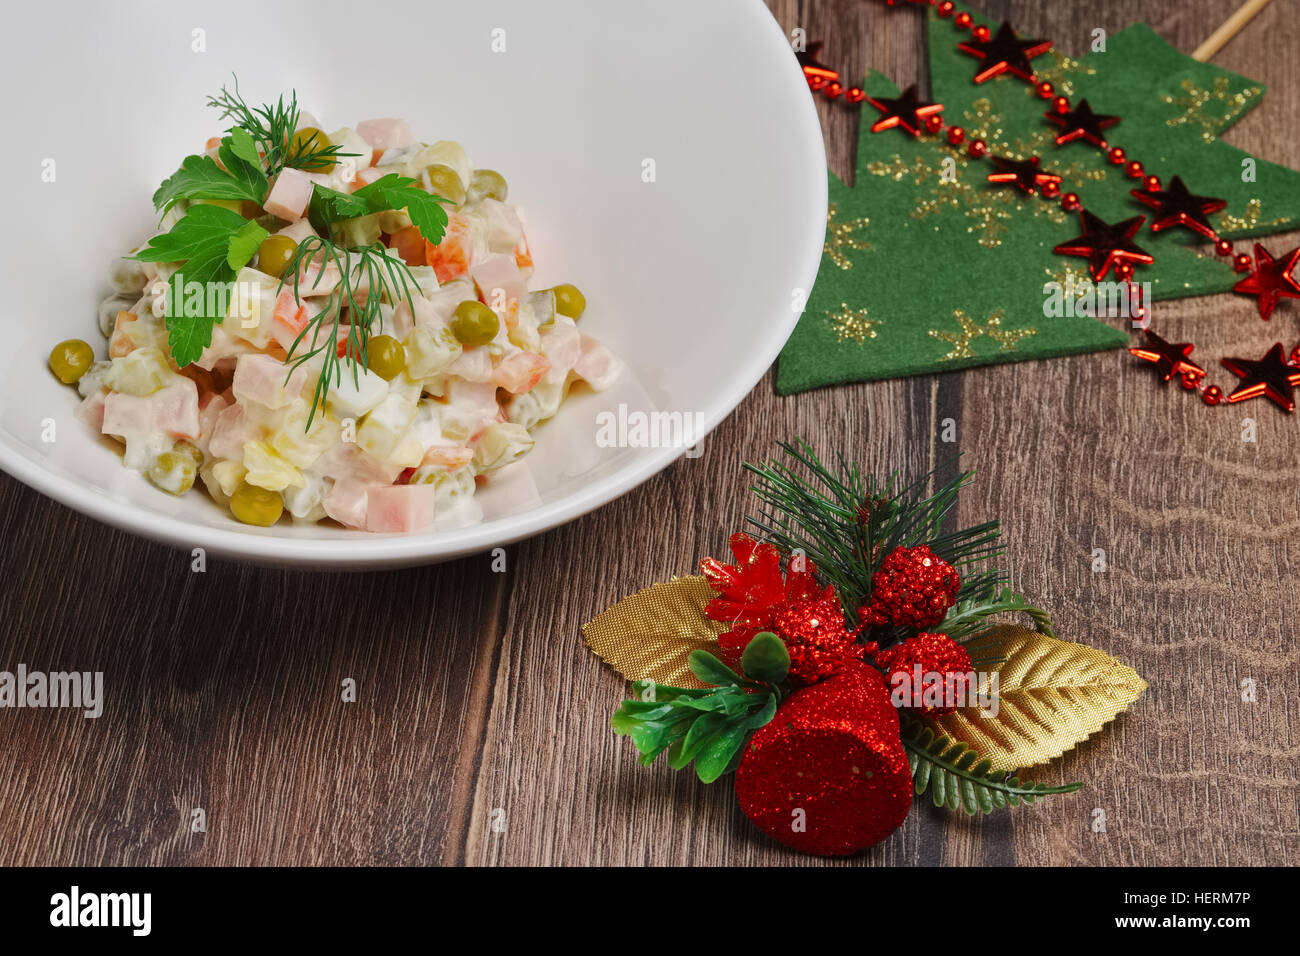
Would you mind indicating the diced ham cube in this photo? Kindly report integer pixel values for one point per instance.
(562, 344)
(398, 508)
(298, 230)
(470, 406)
(473, 365)
(597, 365)
(500, 279)
(91, 410)
(210, 408)
(289, 196)
(230, 429)
(174, 410)
(261, 378)
(386, 133)
(518, 373)
(346, 502)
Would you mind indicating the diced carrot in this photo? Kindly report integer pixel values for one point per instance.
(523, 256)
(410, 245)
(213, 142)
(450, 258)
(120, 343)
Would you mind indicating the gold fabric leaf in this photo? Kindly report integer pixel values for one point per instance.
(1052, 695)
(648, 636)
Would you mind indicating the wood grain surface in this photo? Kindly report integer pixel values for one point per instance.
(479, 703)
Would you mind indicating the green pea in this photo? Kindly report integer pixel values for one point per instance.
(70, 359)
(274, 254)
(385, 356)
(475, 324)
(445, 182)
(569, 301)
(257, 506)
(173, 472)
(310, 139)
(488, 183)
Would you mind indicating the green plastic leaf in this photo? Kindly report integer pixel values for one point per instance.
(711, 670)
(766, 658)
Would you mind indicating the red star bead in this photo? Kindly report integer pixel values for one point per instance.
(1271, 376)
(1170, 358)
(1105, 244)
(907, 112)
(1025, 175)
(1273, 279)
(1081, 123)
(1175, 206)
(1005, 53)
(817, 74)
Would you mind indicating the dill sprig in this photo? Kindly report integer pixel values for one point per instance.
(273, 128)
(367, 268)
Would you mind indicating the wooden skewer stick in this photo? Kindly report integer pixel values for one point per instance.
(1230, 28)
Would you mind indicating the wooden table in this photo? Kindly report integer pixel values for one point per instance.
(480, 734)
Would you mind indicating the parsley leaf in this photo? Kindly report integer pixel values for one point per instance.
(388, 192)
(212, 244)
(201, 178)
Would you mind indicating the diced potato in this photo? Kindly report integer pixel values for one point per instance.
(141, 372)
(501, 444)
(444, 153)
(362, 231)
(384, 427)
(301, 445)
(228, 475)
(267, 469)
(430, 349)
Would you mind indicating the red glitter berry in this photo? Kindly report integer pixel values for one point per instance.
(829, 775)
(815, 635)
(928, 672)
(914, 587)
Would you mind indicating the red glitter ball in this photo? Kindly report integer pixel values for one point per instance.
(1223, 247)
(815, 635)
(933, 661)
(978, 148)
(1213, 395)
(945, 9)
(829, 774)
(914, 587)
(1070, 202)
(955, 135)
(1117, 156)
(752, 590)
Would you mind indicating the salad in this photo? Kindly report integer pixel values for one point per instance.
(331, 327)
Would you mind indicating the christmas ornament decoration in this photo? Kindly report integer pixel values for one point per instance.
(1080, 122)
(1005, 52)
(1272, 376)
(914, 588)
(930, 205)
(1106, 244)
(907, 112)
(937, 655)
(1271, 280)
(817, 716)
(1176, 206)
(1170, 358)
(1025, 174)
(829, 774)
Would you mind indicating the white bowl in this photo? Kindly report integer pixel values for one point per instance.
(691, 278)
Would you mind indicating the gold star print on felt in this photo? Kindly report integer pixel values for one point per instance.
(922, 258)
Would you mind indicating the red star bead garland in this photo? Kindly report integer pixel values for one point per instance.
(1272, 376)
(1004, 52)
(1271, 280)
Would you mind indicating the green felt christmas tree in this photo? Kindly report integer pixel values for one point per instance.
(928, 267)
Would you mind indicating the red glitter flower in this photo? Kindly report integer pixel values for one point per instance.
(925, 662)
(914, 588)
(751, 591)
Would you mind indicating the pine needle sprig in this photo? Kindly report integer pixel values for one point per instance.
(847, 523)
